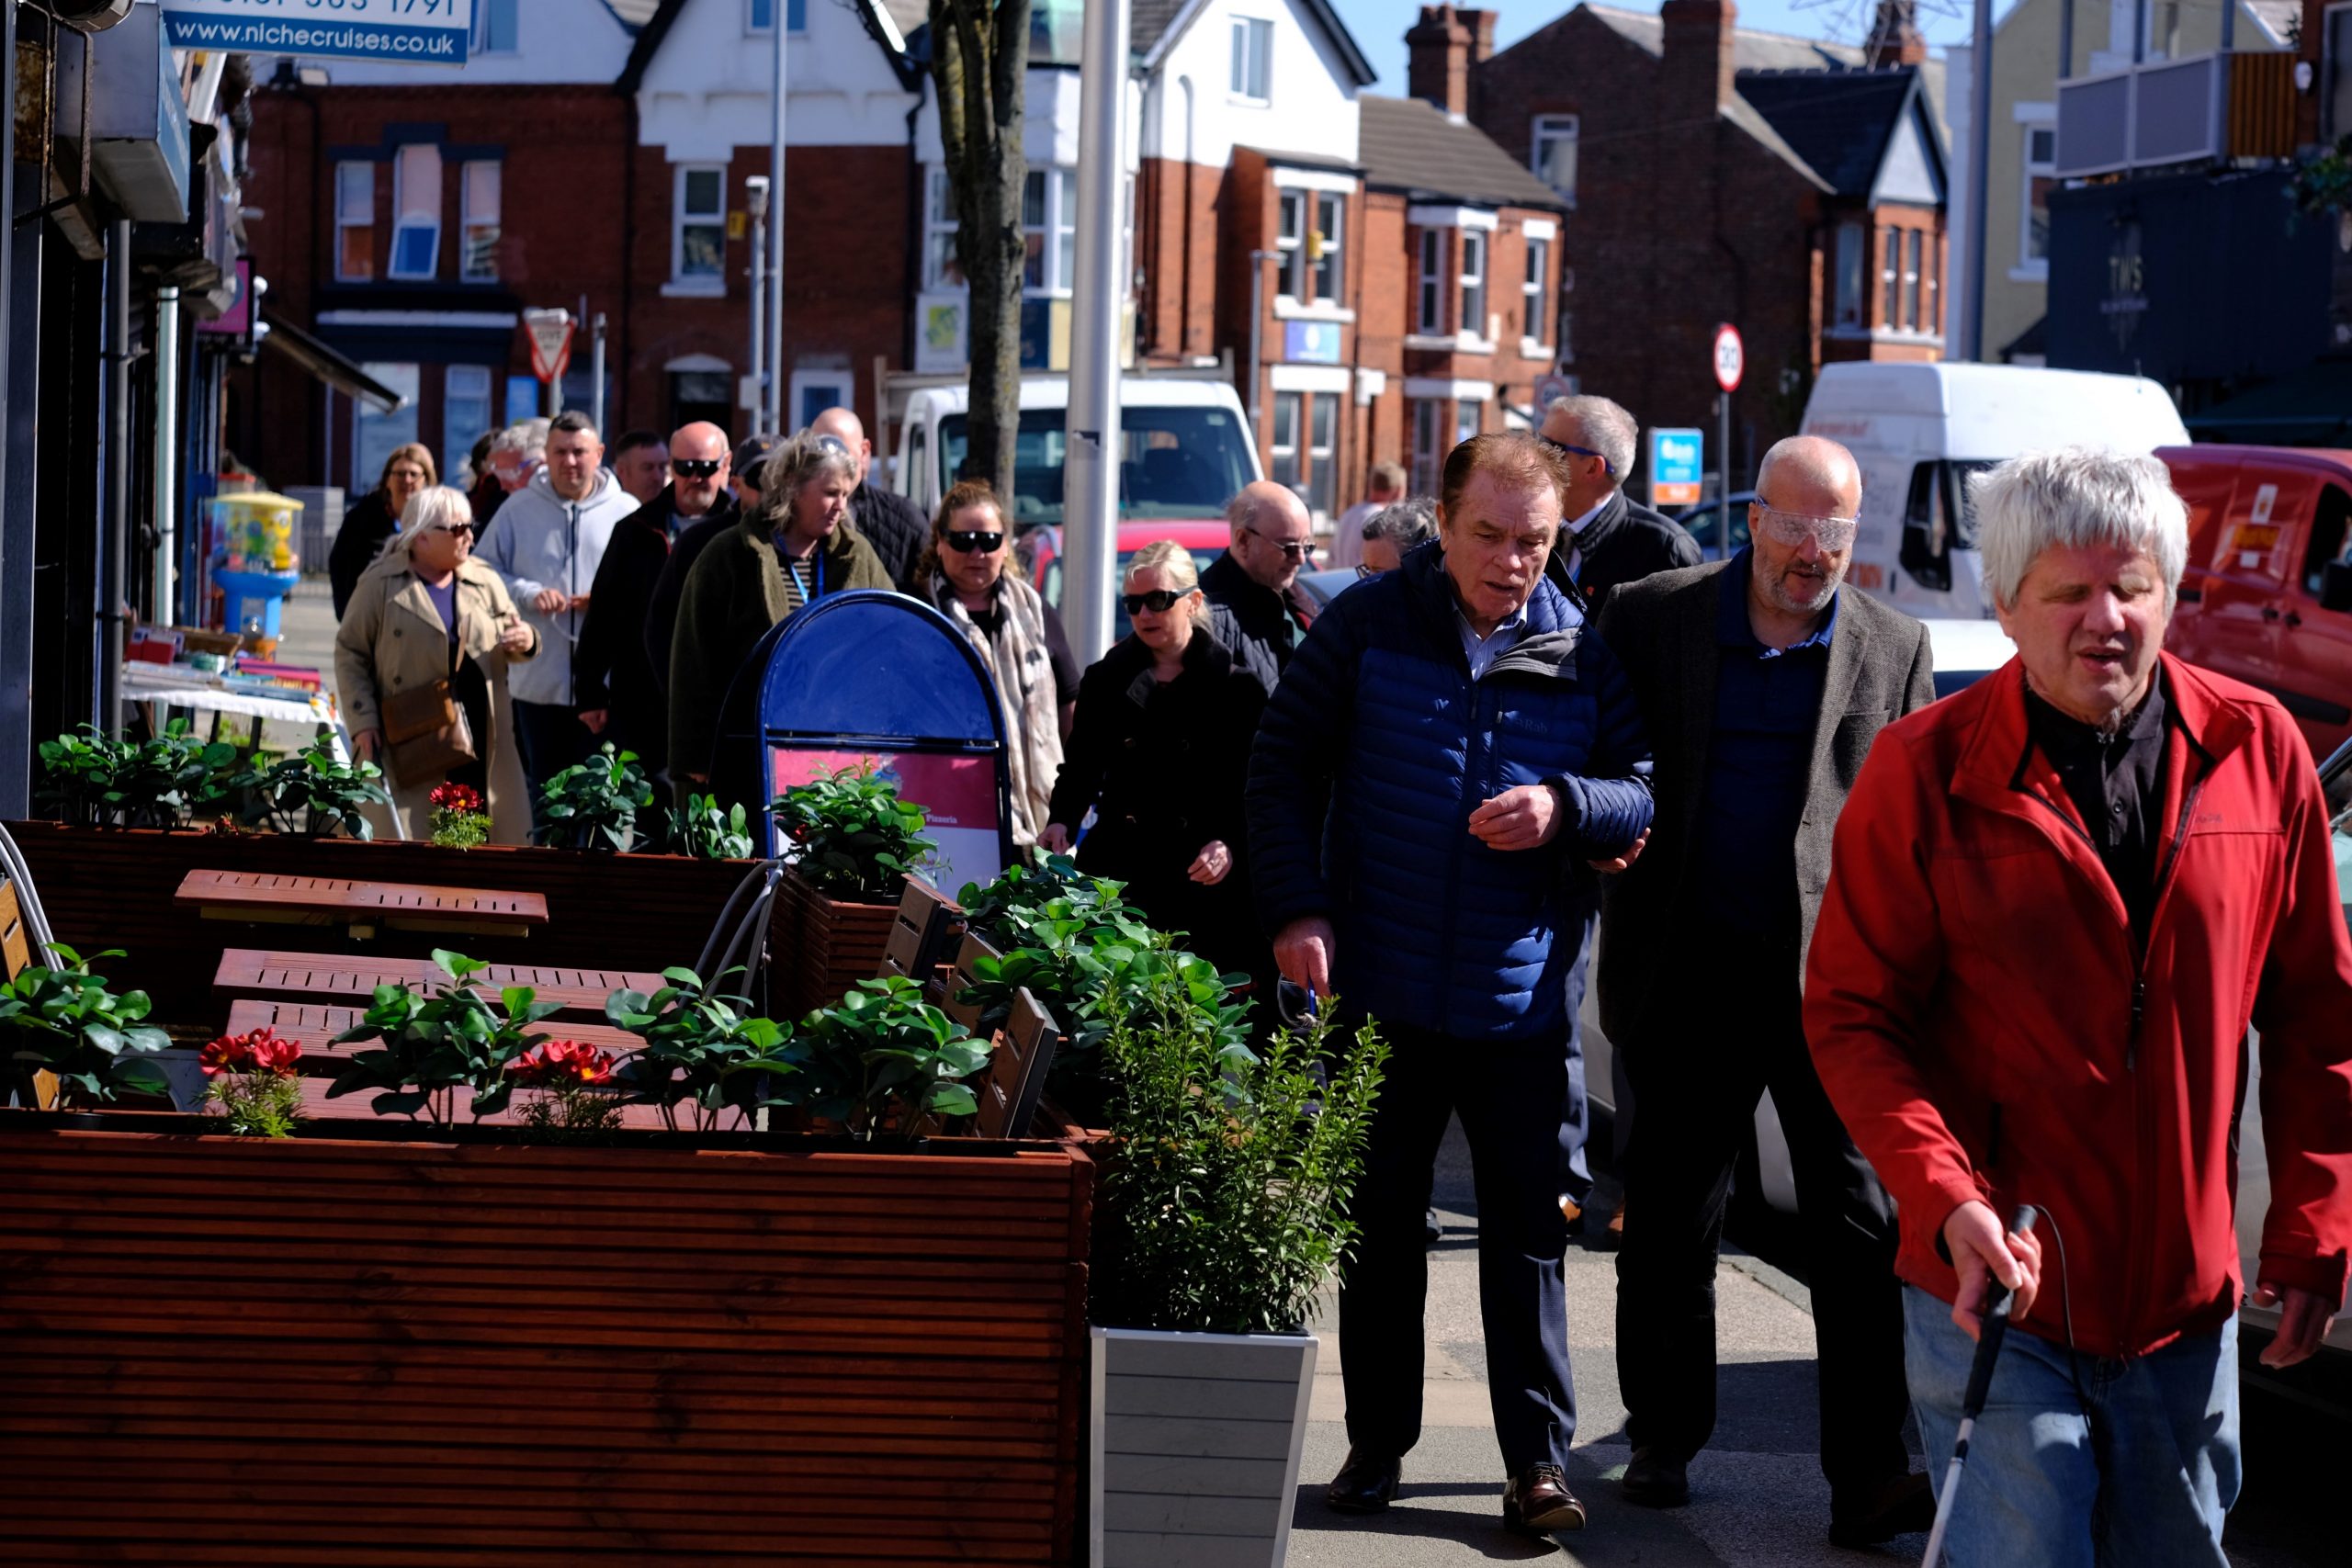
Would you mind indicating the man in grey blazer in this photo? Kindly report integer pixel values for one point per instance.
(1763, 684)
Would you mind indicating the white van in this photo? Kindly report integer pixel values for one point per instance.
(1184, 446)
(1920, 430)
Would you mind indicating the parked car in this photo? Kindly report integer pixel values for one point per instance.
(1705, 523)
(1042, 549)
(2267, 595)
(1325, 586)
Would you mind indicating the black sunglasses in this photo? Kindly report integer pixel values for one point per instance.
(969, 539)
(696, 467)
(466, 528)
(1159, 601)
(1291, 550)
(1606, 465)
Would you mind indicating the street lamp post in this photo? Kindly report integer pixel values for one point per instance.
(1257, 329)
(755, 200)
(1098, 301)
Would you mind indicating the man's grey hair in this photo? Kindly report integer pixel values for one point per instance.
(2074, 497)
(1608, 429)
(1404, 524)
(527, 436)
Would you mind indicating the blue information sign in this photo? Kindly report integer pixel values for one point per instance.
(1677, 461)
(414, 33)
(1311, 343)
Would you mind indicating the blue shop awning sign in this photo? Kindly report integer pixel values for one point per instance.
(410, 32)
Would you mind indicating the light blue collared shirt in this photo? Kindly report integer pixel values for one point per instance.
(1481, 651)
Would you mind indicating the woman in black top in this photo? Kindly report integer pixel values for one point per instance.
(1160, 751)
(375, 518)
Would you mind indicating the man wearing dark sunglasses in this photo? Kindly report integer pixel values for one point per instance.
(1256, 607)
(1608, 538)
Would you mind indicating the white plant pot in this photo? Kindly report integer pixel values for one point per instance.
(1195, 1445)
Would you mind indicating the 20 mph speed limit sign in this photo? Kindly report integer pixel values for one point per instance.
(1731, 358)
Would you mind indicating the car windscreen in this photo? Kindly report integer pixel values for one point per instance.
(1173, 462)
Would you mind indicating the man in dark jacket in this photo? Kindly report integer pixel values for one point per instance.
(1448, 743)
(1607, 540)
(615, 683)
(1256, 607)
(661, 610)
(891, 524)
(1763, 685)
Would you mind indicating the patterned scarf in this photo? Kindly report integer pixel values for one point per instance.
(1024, 670)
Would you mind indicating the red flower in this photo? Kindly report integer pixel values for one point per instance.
(563, 1062)
(259, 1050)
(226, 1053)
(455, 797)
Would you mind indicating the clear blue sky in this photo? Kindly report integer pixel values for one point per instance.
(1379, 25)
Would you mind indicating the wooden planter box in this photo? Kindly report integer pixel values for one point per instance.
(823, 946)
(1195, 1446)
(112, 888)
(324, 1353)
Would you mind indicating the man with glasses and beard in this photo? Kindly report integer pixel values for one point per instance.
(1762, 686)
(1256, 607)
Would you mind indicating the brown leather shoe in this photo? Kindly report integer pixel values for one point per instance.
(1898, 1505)
(1657, 1479)
(1539, 1503)
(1366, 1485)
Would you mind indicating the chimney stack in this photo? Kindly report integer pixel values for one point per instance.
(1437, 65)
(1695, 80)
(1482, 33)
(1895, 35)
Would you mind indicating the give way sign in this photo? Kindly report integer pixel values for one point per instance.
(550, 342)
(1731, 358)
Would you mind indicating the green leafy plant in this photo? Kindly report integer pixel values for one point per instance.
(1002, 911)
(858, 841)
(431, 1048)
(1224, 1201)
(2321, 182)
(594, 804)
(705, 831)
(315, 794)
(570, 1104)
(165, 781)
(886, 1061)
(252, 1080)
(704, 1051)
(458, 820)
(65, 1021)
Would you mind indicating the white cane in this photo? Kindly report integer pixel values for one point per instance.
(1980, 1385)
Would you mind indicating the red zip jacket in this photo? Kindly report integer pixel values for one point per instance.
(1986, 1030)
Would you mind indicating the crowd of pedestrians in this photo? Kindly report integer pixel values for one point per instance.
(2002, 949)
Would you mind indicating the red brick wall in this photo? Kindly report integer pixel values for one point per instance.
(1178, 310)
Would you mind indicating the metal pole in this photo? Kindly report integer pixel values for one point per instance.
(2229, 24)
(555, 396)
(167, 453)
(2139, 31)
(772, 397)
(596, 369)
(758, 410)
(2067, 36)
(1723, 468)
(1257, 329)
(1098, 298)
(114, 581)
(1980, 137)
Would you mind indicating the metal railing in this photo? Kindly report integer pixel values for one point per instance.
(2206, 108)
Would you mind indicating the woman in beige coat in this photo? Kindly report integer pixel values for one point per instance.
(424, 611)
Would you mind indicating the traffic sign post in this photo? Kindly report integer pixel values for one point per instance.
(550, 332)
(1731, 360)
(1676, 468)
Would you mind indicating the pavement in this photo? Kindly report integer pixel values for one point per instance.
(1757, 1496)
(306, 627)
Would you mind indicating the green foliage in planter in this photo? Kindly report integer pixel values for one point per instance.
(1224, 1202)
(886, 1061)
(65, 1021)
(433, 1048)
(315, 794)
(164, 782)
(259, 1105)
(594, 804)
(704, 1050)
(1005, 911)
(858, 841)
(706, 832)
(2321, 182)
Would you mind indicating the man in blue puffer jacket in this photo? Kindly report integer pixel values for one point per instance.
(1448, 748)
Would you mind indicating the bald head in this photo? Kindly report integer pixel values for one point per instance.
(843, 426)
(1272, 533)
(693, 490)
(1812, 476)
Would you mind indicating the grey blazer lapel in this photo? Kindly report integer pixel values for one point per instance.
(1847, 648)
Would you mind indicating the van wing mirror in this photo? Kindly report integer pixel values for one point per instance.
(2335, 587)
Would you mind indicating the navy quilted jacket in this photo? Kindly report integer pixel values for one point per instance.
(1375, 750)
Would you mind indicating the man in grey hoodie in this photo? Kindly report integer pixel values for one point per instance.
(550, 540)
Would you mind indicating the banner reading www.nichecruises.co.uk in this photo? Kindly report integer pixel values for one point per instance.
(420, 33)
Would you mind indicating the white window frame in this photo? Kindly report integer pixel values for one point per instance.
(754, 28)
(1252, 61)
(939, 225)
(1470, 288)
(484, 12)
(472, 218)
(1890, 275)
(1334, 240)
(1534, 318)
(1322, 455)
(1426, 459)
(680, 280)
(366, 175)
(1431, 305)
(1851, 265)
(1291, 408)
(2030, 119)
(842, 384)
(1543, 131)
(1914, 240)
(1290, 240)
(428, 213)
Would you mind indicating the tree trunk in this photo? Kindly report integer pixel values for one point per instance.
(980, 57)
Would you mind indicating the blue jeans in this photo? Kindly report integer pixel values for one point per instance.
(2142, 1480)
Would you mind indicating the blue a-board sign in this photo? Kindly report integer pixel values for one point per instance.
(1678, 458)
(410, 32)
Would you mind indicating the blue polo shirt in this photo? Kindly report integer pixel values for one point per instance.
(1760, 755)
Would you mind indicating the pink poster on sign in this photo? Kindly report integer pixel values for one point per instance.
(959, 793)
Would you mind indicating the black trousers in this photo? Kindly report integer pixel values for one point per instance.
(550, 739)
(1699, 1077)
(1509, 1096)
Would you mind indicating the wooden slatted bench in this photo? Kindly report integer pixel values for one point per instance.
(247, 972)
(314, 1025)
(283, 899)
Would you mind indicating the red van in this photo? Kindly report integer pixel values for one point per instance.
(2268, 594)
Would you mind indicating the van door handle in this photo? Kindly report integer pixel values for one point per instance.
(2270, 611)
(2293, 619)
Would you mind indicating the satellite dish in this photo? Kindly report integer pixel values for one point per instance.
(90, 16)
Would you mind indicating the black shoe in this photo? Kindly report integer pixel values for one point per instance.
(1539, 1503)
(1900, 1506)
(1431, 1231)
(1657, 1480)
(1366, 1485)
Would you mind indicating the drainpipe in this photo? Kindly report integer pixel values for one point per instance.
(117, 478)
(165, 608)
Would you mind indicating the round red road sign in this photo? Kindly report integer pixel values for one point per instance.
(1731, 358)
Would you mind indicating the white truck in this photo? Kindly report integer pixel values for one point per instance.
(1921, 431)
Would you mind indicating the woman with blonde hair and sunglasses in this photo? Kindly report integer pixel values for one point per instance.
(424, 614)
(1159, 752)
